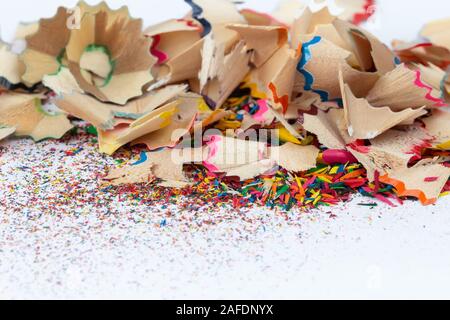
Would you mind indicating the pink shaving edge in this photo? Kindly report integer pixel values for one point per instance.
(161, 56)
(369, 10)
(213, 149)
(419, 83)
(418, 45)
(359, 146)
(263, 109)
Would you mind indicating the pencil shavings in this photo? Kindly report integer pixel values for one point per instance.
(168, 170)
(403, 88)
(423, 53)
(284, 125)
(437, 126)
(275, 79)
(263, 40)
(141, 173)
(295, 158)
(180, 125)
(249, 121)
(437, 33)
(218, 12)
(154, 165)
(236, 158)
(435, 49)
(11, 68)
(303, 103)
(286, 136)
(139, 107)
(105, 52)
(248, 159)
(251, 170)
(221, 74)
(177, 46)
(298, 107)
(89, 109)
(316, 24)
(46, 42)
(27, 115)
(62, 82)
(6, 132)
(102, 115)
(319, 67)
(225, 153)
(171, 37)
(127, 131)
(45, 47)
(366, 122)
(214, 16)
(110, 60)
(436, 77)
(393, 150)
(329, 127)
(207, 118)
(415, 182)
(371, 53)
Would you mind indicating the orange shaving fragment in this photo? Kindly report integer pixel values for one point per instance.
(354, 174)
(404, 192)
(284, 100)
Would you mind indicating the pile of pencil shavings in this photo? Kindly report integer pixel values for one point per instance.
(351, 114)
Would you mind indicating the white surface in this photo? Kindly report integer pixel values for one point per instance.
(119, 250)
(363, 253)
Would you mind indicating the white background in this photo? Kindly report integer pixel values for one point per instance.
(401, 19)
